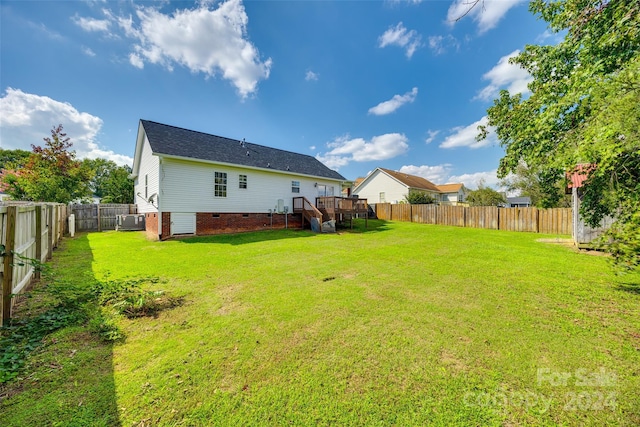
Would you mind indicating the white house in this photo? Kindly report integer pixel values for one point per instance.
(189, 182)
(452, 194)
(387, 186)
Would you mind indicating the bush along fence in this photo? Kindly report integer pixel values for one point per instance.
(548, 221)
(99, 217)
(29, 232)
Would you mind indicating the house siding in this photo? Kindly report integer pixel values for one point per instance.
(149, 167)
(381, 182)
(189, 187)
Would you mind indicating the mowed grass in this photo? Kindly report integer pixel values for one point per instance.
(401, 324)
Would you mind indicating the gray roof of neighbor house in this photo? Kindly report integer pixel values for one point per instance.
(179, 142)
(519, 200)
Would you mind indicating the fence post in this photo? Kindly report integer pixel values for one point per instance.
(38, 237)
(50, 235)
(99, 224)
(7, 276)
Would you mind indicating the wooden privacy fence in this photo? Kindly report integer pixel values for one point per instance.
(28, 232)
(99, 217)
(549, 221)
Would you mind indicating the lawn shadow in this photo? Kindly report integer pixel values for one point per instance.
(71, 374)
(362, 226)
(282, 234)
(249, 237)
(630, 287)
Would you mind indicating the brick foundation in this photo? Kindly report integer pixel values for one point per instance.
(166, 226)
(151, 225)
(227, 223)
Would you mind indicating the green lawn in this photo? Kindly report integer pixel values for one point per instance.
(404, 324)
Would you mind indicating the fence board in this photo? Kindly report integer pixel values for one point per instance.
(482, 217)
(28, 232)
(554, 221)
(550, 221)
(424, 214)
(99, 217)
(383, 211)
(518, 219)
(401, 212)
(450, 215)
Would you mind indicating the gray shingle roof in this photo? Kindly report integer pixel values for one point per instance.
(174, 141)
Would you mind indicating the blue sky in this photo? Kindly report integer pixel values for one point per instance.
(357, 84)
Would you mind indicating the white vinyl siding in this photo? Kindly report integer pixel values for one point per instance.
(187, 187)
(146, 183)
(380, 182)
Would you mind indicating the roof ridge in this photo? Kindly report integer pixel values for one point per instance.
(227, 138)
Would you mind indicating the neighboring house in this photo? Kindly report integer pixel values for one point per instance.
(189, 182)
(518, 202)
(452, 194)
(387, 186)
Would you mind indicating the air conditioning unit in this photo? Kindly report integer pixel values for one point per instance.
(130, 222)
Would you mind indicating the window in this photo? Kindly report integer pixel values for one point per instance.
(295, 186)
(460, 197)
(325, 190)
(242, 181)
(383, 199)
(146, 187)
(220, 187)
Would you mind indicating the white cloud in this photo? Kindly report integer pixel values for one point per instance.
(486, 13)
(465, 136)
(505, 75)
(205, 39)
(399, 36)
(471, 180)
(436, 174)
(209, 41)
(440, 44)
(344, 149)
(311, 76)
(441, 174)
(136, 61)
(87, 51)
(92, 24)
(431, 136)
(388, 107)
(26, 119)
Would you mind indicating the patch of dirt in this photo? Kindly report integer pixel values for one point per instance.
(229, 299)
(451, 361)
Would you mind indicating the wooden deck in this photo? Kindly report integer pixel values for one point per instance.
(342, 209)
(339, 209)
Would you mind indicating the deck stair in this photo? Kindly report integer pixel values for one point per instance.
(309, 212)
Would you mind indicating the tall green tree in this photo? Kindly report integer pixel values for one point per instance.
(50, 174)
(485, 196)
(13, 159)
(545, 187)
(584, 107)
(110, 183)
